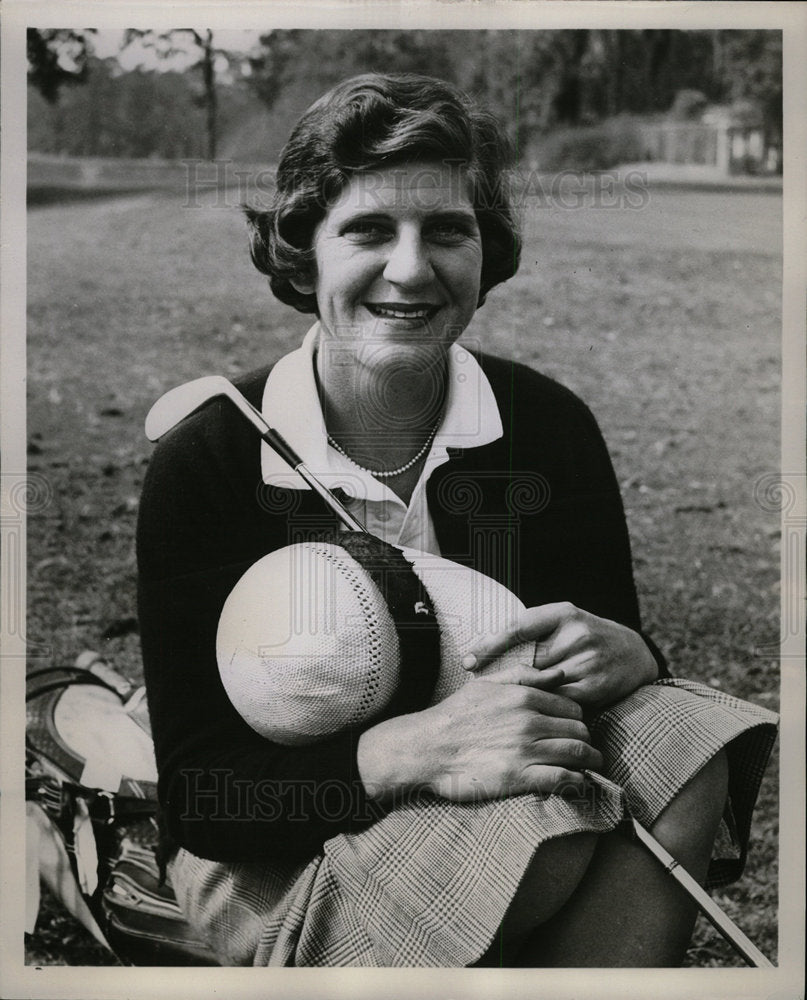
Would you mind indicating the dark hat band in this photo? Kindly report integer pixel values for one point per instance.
(413, 614)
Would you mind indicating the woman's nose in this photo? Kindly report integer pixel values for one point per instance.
(409, 262)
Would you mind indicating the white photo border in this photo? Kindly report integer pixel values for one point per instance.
(60, 982)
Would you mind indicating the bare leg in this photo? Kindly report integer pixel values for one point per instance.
(553, 875)
(627, 912)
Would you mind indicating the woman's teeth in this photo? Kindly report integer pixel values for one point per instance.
(401, 313)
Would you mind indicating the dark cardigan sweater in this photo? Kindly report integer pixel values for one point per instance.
(539, 510)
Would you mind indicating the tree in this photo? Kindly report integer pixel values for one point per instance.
(164, 44)
(318, 59)
(751, 69)
(533, 80)
(57, 57)
(137, 114)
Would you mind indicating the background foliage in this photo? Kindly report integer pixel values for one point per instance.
(534, 81)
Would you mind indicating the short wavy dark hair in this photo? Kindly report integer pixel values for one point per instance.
(370, 122)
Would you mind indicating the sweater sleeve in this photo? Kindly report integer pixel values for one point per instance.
(226, 793)
(553, 490)
(585, 535)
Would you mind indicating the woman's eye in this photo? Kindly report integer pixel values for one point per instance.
(447, 234)
(366, 232)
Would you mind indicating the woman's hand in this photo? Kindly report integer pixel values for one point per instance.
(489, 740)
(601, 660)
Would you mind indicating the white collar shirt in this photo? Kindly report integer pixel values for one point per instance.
(291, 406)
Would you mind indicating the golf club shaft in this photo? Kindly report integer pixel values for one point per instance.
(716, 917)
(344, 515)
(278, 443)
(180, 402)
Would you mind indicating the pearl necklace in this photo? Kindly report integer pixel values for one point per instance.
(392, 472)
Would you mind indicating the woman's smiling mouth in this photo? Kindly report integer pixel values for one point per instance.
(396, 310)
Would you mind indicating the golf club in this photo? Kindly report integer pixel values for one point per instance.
(716, 917)
(178, 403)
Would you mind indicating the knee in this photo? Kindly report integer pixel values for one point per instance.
(552, 877)
(687, 827)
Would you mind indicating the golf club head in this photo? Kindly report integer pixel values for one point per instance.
(178, 403)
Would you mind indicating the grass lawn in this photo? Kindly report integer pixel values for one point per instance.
(665, 319)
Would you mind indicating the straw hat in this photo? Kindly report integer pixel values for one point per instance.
(323, 636)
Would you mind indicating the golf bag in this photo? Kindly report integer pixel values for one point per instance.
(91, 814)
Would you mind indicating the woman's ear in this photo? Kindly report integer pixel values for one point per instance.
(303, 283)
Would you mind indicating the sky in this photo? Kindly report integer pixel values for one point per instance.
(107, 42)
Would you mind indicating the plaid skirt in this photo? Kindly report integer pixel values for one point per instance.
(429, 883)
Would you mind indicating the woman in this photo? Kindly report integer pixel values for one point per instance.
(481, 830)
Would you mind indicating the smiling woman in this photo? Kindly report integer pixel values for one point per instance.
(396, 276)
(480, 827)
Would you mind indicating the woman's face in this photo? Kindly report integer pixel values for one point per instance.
(398, 259)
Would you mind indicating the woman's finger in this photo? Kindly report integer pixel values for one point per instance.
(551, 704)
(547, 779)
(521, 673)
(572, 644)
(537, 623)
(591, 692)
(570, 753)
(575, 665)
(548, 728)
